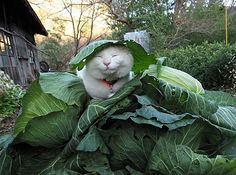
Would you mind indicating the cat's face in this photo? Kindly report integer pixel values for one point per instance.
(110, 63)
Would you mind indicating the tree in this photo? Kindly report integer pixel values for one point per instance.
(81, 16)
(72, 23)
(55, 53)
(171, 23)
(151, 15)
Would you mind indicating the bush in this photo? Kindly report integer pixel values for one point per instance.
(212, 64)
(10, 95)
(221, 74)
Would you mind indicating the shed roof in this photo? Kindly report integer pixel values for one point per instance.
(40, 29)
(20, 13)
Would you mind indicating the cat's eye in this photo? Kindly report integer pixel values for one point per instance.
(113, 55)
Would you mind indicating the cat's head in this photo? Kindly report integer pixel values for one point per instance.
(110, 63)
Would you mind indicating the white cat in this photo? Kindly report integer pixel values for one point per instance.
(107, 72)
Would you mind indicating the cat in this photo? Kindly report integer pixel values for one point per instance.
(107, 72)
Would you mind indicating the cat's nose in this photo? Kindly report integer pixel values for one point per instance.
(106, 63)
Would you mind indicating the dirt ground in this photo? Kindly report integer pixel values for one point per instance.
(7, 123)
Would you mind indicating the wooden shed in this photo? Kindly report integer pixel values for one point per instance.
(18, 53)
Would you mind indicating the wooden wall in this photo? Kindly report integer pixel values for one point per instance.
(20, 58)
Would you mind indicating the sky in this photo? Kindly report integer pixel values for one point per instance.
(228, 2)
(48, 9)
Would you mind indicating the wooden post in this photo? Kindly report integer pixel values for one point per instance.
(226, 26)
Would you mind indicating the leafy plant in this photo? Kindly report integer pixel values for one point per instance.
(56, 54)
(10, 95)
(212, 64)
(223, 70)
(150, 126)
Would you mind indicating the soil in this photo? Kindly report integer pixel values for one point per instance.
(7, 123)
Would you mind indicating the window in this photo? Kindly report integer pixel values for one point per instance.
(7, 58)
(6, 44)
(2, 44)
(30, 53)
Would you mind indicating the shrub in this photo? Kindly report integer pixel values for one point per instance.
(10, 95)
(221, 74)
(212, 64)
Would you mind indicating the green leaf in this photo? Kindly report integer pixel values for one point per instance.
(174, 154)
(180, 160)
(175, 77)
(88, 51)
(141, 58)
(89, 162)
(224, 119)
(5, 140)
(221, 98)
(92, 142)
(5, 163)
(63, 171)
(180, 100)
(36, 103)
(32, 160)
(130, 144)
(151, 116)
(228, 148)
(64, 86)
(51, 130)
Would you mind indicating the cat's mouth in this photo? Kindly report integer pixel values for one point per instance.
(110, 70)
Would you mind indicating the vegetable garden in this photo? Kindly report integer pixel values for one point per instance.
(161, 122)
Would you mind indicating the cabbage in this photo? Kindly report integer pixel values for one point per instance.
(175, 77)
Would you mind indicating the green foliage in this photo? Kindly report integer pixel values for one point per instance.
(175, 77)
(223, 70)
(212, 64)
(152, 137)
(150, 126)
(55, 53)
(10, 95)
(148, 15)
(174, 23)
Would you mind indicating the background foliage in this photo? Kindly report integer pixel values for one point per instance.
(10, 95)
(173, 23)
(212, 64)
(55, 53)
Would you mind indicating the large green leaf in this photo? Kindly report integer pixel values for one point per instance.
(221, 98)
(131, 144)
(31, 160)
(5, 140)
(141, 58)
(174, 76)
(92, 142)
(181, 100)
(64, 86)
(87, 162)
(51, 130)
(5, 163)
(36, 103)
(174, 154)
(87, 52)
(151, 116)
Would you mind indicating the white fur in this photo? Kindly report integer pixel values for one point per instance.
(97, 69)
